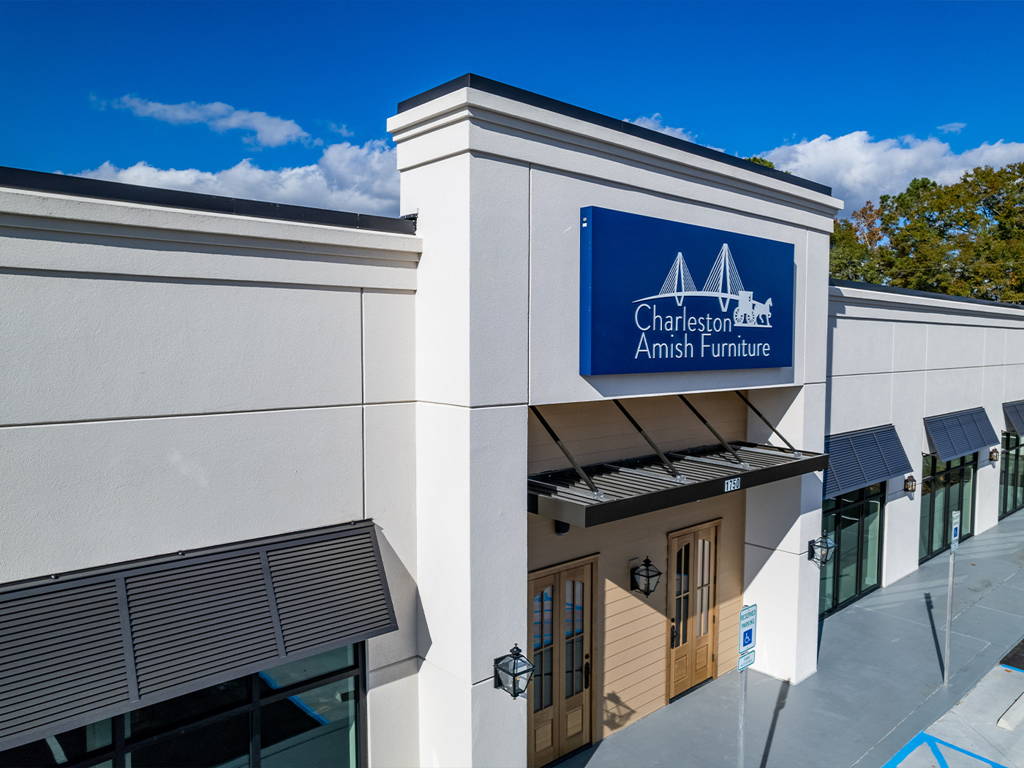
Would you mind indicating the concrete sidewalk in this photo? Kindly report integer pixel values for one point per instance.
(879, 680)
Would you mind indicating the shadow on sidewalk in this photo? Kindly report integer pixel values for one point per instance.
(935, 633)
(780, 702)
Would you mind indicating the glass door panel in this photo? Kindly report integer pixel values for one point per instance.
(870, 554)
(573, 631)
(940, 494)
(681, 598)
(924, 526)
(967, 503)
(543, 607)
(848, 556)
(826, 592)
(1018, 474)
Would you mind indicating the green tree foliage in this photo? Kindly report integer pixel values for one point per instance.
(762, 161)
(963, 239)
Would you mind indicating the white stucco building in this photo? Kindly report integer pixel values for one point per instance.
(289, 481)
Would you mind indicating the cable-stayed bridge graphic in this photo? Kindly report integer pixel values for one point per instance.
(723, 283)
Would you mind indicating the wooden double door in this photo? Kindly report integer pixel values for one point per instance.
(560, 611)
(692, 606)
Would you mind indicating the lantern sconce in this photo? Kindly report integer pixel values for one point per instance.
(993, 455)
(820, 550)
(910, 484)
(512, 672)
(644, 578)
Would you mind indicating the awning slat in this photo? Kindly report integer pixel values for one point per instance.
(1014, 414)
(957, 434)
(862, 458)
(635, 486)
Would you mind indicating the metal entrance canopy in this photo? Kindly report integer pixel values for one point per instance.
(609, 491)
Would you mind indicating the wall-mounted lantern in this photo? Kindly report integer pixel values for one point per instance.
(644, 578)
(910, 484)
(993, 455)
(512, 672)
(820, 550)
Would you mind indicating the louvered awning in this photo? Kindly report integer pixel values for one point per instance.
(634, 486)
(862, 458)
(94, 644)
(957, 434)
(1014, 414)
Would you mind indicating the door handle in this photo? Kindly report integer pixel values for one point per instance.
(586, 675)
(675, 634)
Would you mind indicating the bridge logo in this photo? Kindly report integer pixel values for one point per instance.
(723, 283)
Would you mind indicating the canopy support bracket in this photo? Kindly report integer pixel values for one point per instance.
(767, 423)
(722, 441)
(668, 465)
(565, 451)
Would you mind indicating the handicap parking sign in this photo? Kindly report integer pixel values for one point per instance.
(748, 628)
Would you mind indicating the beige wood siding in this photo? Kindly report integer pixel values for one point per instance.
(630, 631)
(596, 432)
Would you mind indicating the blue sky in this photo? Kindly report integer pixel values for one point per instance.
(288, 101)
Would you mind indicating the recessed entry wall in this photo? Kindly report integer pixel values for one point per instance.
(598, 431)
(630, 632)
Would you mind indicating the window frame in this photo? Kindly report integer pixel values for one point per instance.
(930, 471)
(1011, 455)
(857, 502)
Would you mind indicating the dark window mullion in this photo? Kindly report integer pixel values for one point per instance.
(255, 723)
(362, 746)
(308, 685)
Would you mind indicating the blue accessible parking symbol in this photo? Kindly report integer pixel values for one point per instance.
(748, 628)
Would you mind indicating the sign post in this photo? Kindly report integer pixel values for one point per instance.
(954, 545)
(748, 639)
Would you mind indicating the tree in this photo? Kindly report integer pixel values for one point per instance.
(963, 239)
(761, 161)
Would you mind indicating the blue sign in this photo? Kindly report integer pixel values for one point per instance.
(748, 628)
(659, 295)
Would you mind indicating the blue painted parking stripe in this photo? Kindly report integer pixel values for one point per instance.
(932, 742)
(1010, 666)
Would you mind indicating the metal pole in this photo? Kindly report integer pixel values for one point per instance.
(669, 467)
(565, 452)
(740, 761)
(946, 660)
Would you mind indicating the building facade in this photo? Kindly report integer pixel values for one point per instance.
(289, 482)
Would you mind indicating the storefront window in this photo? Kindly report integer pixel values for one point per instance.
(854, 522)
(946, 487)
(1011, 475)
(304, 713)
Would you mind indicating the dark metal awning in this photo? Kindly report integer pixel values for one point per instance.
(602, 493)
(97, 643)
(862, 458)
(957, 434)
(1014, 414)
(635, 486)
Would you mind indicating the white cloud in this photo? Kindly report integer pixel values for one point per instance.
(348, 177)
(860, 168)
(654, 122)
(268, 131)
(952, 127)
